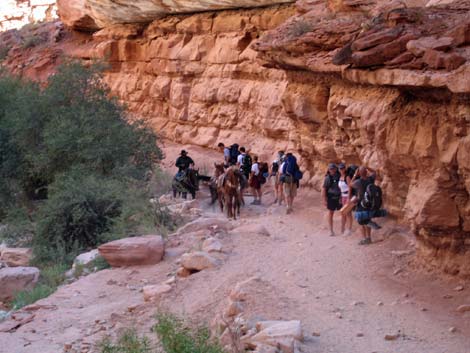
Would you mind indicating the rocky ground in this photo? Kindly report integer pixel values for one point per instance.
(348, 298)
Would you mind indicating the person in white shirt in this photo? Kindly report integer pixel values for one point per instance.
(255, 183)
(226, 152)
(275, 175)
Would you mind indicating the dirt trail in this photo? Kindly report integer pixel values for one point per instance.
(337, 289)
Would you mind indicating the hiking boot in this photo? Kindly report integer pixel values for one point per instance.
(373, 225)
(275, 201)
(254, 202)
(332, 234)
(365, 241)
(347, 232)
(289, 210)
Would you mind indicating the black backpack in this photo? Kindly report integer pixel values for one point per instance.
(234, 152)
(246, 164)
(351, 170)
(372, 199)
(333, 189)
(275, 167)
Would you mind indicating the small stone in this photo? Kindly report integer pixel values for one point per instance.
(406, 295)
(356, 303)
(391, 337)
(424, 309)
(359, 334)
(463, 308)
(170, 280)
(315, 334)
(182, 272)
(67, 347)
(459, 288)
(339, 315)
(379, 303)
(447, 296)
(452, 329)
(397, 271)
(131, 308)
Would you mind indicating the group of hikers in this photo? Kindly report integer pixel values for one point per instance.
(284, 173)
(346, 189)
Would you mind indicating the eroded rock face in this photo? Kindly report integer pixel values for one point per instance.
(93, 14)
(17, 13)
(266, 79)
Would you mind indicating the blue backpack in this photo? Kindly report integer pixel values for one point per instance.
(292, 168)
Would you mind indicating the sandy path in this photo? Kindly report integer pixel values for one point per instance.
(313, 277)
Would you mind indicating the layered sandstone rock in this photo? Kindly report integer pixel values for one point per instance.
(16, 257)
(17, 13)
(92, 14)
(136, 251)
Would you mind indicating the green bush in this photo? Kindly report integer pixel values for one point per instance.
(74, 163)
(79, 210)
(128, 342)
(27, 297)
(176, 337)
(52, 275)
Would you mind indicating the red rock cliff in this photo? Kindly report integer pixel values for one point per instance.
(375, 82)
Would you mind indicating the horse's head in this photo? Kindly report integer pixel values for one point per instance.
(219, 169)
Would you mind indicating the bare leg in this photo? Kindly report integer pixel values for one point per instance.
(330, 222)
(343, 223)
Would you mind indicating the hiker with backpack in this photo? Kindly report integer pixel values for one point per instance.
(230, 154)
(244, 166)
(290, 178)
(343, 183)
(255, 181)
(331, 194)
(275, 175)
(369, 202)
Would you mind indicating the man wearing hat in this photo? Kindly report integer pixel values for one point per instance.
(331, 194)
(184, 161)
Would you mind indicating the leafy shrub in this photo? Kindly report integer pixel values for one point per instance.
(176, 337)
(51, 277)
(128, 342)
(27, 297)
(33, 40)
(71, 159)
(79, 210)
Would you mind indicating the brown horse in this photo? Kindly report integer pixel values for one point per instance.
(228, 190)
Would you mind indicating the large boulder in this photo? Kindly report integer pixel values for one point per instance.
(136, 251)
(92, 14)
(15, 279)
(15, 257)
(197, 261)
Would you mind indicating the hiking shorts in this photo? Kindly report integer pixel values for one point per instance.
(361, 215)
(333, 204)
(254, 182)
(290, 189)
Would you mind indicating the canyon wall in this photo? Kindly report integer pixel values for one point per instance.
(17, 13)
(381, 83)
